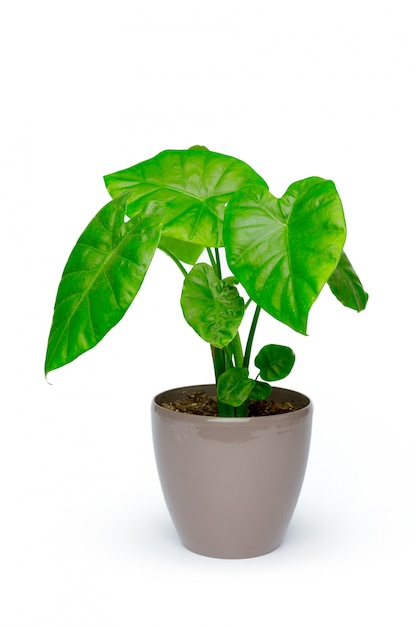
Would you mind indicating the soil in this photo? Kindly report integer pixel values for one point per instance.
(199, 403)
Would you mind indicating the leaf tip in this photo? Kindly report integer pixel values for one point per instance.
(197, 147)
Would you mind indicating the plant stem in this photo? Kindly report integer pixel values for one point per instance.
(228, 356)
(251, 335)
(212, 261)
(242, 410)
(236, 345)
(225, 410)
(219, 267)
(215, 261)
(175, 259)
(218, 361)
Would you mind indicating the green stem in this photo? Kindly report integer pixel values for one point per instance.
(220, 366)
(218, 361)
(242, 410)
(219, 267)
(212, 261)
(215, 261)
(237, 351)
(175, 259)
(246, 358)
(226, 410)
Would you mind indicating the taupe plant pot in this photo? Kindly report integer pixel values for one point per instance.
(231, 484)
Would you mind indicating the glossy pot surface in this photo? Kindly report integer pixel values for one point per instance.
(231, 484)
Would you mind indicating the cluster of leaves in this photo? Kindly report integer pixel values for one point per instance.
(280, 251)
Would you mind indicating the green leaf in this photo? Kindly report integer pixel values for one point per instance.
(234, 386)
(101, 278)
(183, 250)
(346, 286)
(275, 362)
(195, 186)
(212, 307)
(260, 391)
(283, 251)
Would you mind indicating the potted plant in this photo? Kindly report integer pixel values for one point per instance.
(231, 455)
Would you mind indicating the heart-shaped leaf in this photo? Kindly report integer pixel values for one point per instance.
(275, 362)
(212, 307)
(346, 286)
(195, 186)
(283, 251)
(234, 386)
(101, 278)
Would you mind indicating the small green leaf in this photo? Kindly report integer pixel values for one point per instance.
(195, 186)
(100, 280)
(212, 307)
(283, 251)
(260, 391)
(234, 386)
(275, 362)
(346, 286)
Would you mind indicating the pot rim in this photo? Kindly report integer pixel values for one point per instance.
(298, 397)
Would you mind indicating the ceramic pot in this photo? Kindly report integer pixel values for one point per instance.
(231, 484)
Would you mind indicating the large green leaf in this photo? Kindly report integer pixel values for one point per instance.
(212, 307)
(346, 285)
(101, 278)
(195, 186)
(283, 251)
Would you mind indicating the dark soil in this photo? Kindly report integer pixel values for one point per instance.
(199, 403)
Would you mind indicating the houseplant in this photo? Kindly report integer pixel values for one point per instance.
(241, 250)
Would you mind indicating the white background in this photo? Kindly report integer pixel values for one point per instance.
(295, 89)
